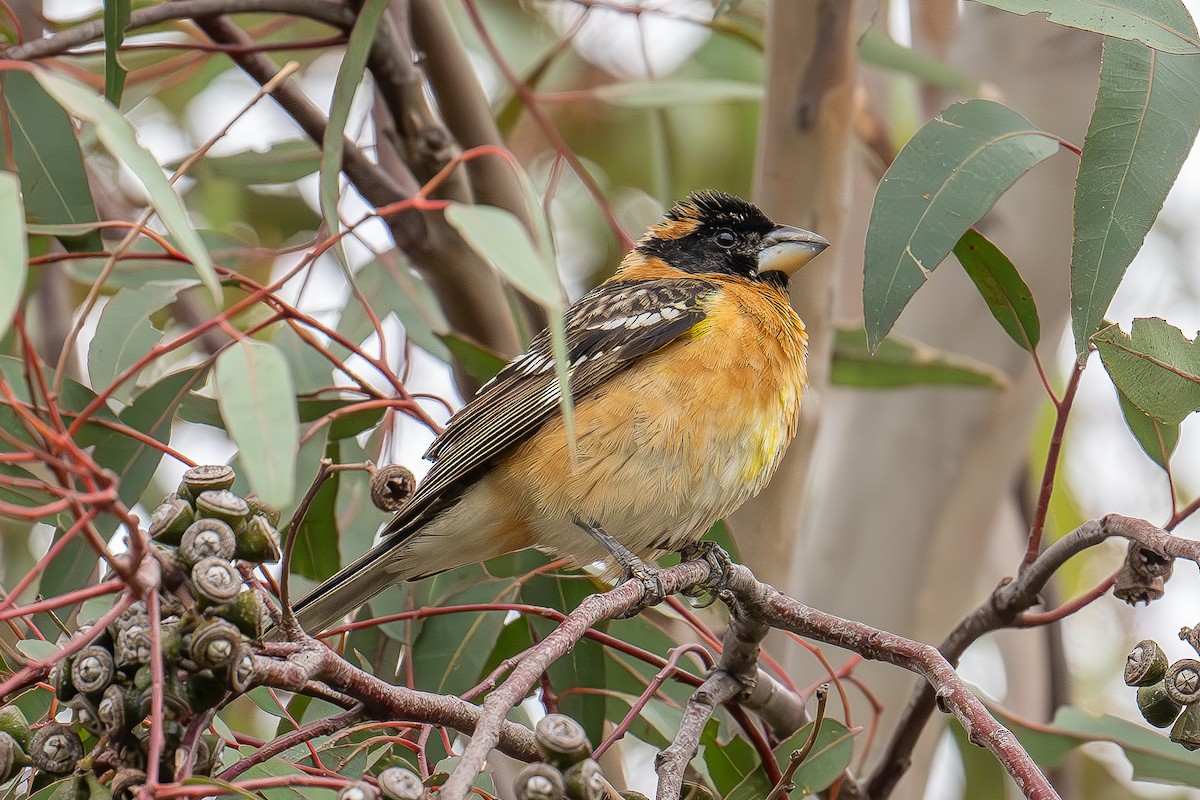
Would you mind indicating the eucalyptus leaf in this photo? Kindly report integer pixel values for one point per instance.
(678, 91)
(1154, 23)
(942, 182)
(1006, 294)
(14, 245)
(258, 405)
(1155, 366)
(1145, 123)
(904, 362)
(1157, 439)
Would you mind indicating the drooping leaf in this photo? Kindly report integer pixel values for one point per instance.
(258, 405)
(54, 185)
(14, 245)
(878, 48)
(1157, 439)
(678, 91)
(118, 136)
(350, 75)
(1006, 295)
(283, 162)
(1156, 367)
(481, 364)
(402, 292)
(452, 649)
(116, 21)
(943, 181)
(1145, 123)
(1152, 755)
(904, 362)
(827, 760)
(124, 333)
(1152, 22)
(315, 554)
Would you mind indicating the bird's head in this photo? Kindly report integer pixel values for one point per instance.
(713, 232)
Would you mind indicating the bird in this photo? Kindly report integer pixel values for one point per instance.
(686, 368)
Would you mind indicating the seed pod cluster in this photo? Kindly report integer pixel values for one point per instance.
(568, 772)
(207, 617)
(1168, 694)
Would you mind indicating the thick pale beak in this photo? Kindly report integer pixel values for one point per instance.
(787, 249)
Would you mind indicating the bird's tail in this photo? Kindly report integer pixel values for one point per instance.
(355, 584)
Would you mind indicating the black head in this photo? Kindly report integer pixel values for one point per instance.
(714, 232)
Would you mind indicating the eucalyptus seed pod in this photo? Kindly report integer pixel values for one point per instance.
(207, 478)
(247, 612)
(135, 615)
(1156, 705)
(126, 782)
(257, 506)
(241, 671)
(170, 634)
(216, 581)
(132, 753)
(562, 739)
(13, 722)
(398, 783)
(1186, 731)
(1145, 664)
(176, 702)
(92, 670)
(223, 505)
(1183, 681)
(85, 714)
(60, 679)
(539, 781)
(204, 690)
(55, 749)
(12, 757)
(585, 781)
(358, 791)
(391, 486)
(143, 678)
(208, 754)
(170, 519)
(640, 796)
(207, 538)
(118, 709)
(133, 646)
(215, 643)
(257, 541)
(202, 764)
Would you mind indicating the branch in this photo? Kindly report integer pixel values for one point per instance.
(1003, 609)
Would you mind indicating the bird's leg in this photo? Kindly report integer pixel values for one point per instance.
(633, 568)
(718, 567)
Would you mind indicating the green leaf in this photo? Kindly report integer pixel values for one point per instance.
(827, 760)
(1145, 123)
(904, 362)
(37, 649)
(731, 764)
(284, 162)
(480, 363)
(117, 135)
(315, 554)
(1157, 439)
(54, 183)
(678, 91)
(585, 666)
(1006, 295)
(1153, 756)
(124, 333)
(942, 182)
(152, 413)
(258, 404)
(14, 245)
(450, 653)
(878, 48)
(116, 21)
(402, 292)
(350, 75)
(1156, 367)
(1152, 22)
(984, 777)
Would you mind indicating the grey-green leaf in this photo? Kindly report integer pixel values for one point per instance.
(116, 20)
(258, 405)
(1006, 294)
(53, 181)
(1145, 123)
(942, 182)
(678, 91)
(14, 246)
(124, 333)
(118, 136)
(904, 362)
(1157, 439)
(1152, 22)
(1155, 366)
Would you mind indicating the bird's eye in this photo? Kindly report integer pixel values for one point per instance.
(726, 238)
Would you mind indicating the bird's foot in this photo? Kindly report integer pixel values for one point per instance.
(632, 567)
(718, 562)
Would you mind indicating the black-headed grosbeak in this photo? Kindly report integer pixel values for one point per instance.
(687, 369)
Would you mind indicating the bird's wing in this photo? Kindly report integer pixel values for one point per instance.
(607, 330)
